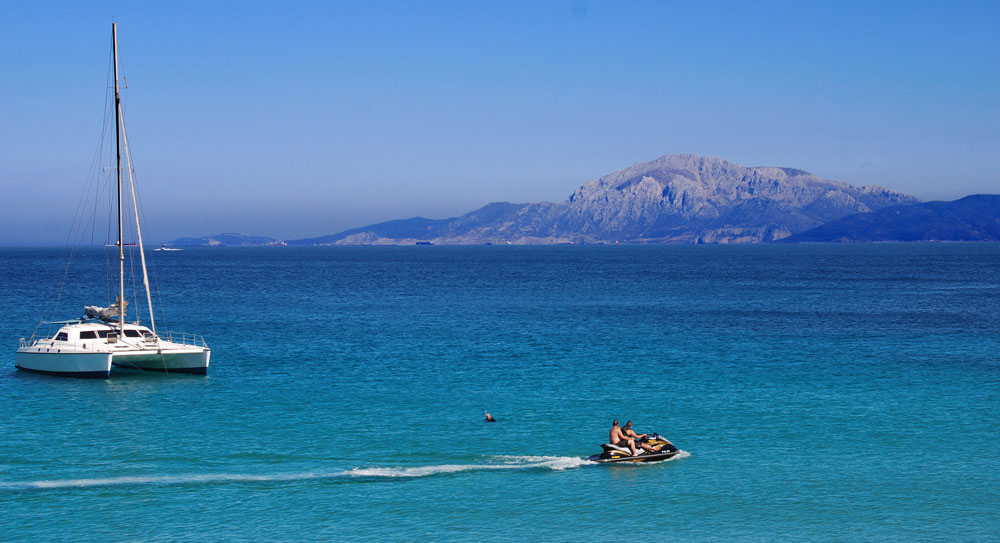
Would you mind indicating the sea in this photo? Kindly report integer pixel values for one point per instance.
(819, 392)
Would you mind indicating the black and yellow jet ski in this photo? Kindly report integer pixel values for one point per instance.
(614, 453)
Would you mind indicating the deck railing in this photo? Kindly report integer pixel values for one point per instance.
(184, 338)
(173, 337)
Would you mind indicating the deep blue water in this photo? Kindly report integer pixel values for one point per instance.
(820, 392)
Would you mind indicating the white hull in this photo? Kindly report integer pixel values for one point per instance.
(96, 365)
(91, 349)
(174, 361)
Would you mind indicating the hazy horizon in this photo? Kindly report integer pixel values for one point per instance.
(304, 119)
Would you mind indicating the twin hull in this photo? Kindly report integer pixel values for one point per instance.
(98, 365)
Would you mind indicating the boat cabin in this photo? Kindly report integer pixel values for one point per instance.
(91, 334)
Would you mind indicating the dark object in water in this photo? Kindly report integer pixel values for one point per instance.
(613, 453)
(489, 418)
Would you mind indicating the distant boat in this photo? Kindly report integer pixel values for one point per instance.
(90, 345)
(165, 248)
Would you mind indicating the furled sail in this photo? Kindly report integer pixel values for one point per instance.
(106, 314)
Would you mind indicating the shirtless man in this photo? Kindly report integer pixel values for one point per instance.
(629, 432)
(619, 439)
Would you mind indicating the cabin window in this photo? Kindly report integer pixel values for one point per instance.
(89, 334)
(132, 333)
(61, 336)
(103, 333)
(147, 334)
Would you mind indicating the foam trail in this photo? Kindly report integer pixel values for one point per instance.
(163, 480)
(555, 463)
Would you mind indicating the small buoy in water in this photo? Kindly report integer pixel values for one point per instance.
(489, 418)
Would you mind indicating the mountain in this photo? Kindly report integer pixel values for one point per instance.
(229, 238)
(673, 199)
(973, 218)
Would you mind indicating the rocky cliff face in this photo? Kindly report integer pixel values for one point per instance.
(689, 198)
(673, 199)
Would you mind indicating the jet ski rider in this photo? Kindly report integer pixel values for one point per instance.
(619, 439)
(630, 433)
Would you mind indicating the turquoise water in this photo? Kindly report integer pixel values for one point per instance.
(820, 393)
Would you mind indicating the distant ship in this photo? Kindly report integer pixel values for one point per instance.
(90, 345)
(165, 248)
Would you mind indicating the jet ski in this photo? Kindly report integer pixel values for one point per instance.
(614, 453)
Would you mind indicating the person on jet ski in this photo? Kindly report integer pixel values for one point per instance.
(630, 433)
(619, 439)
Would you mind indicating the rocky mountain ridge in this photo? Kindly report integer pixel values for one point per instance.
(672, 199)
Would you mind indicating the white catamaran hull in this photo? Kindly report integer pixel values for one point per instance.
(98, 365)
(95, 365)
(173, 361)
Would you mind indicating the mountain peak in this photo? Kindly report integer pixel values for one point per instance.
(673, 198)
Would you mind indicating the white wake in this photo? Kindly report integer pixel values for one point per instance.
(554, 463)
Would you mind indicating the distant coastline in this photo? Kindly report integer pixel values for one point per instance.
(682, 199)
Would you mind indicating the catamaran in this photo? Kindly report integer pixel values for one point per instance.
(92, 344)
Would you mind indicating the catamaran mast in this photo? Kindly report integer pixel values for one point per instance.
(118, 169)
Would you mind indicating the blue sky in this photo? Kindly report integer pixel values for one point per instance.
(296, 119)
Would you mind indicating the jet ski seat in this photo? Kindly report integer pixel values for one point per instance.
(609, 447)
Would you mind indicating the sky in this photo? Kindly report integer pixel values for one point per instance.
(297, 119)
